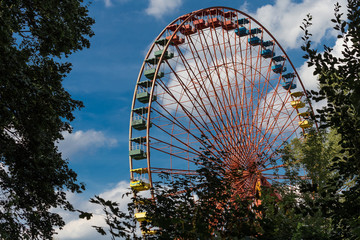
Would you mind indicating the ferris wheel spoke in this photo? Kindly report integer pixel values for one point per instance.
(230, 94)
(245, 106)
(210, 117)
(260, 95)
(225, 99)
(272, 99)
(275, 150)
(280, 145)
(237, 90)
(202, 104)
(181, 103)
(196, 100)
(184, 148)
(174, 121)
(221, 104)
(239, 112)
(237, 135)
(173, 155)
(276, 176)
(272, 168)
(282, 132)
(217, 115)
(220, 111)
(171, 119)
(219, 101)
(173, 171)
(188, 146)
(271, 126)
(269, 109)
(252, 95)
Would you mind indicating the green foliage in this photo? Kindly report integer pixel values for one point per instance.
(300, 214)
(339, 85)
(122, 225)
(292, 217)
(34, 110)
(202, 206)
(313, 155)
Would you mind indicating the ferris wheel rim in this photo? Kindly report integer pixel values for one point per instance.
(189, 16)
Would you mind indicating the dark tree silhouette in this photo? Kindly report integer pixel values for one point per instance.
(35, 37)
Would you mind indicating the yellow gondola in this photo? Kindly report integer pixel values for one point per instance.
(297, 104)
(305, 124)
(150, 232)
(141, 216)
(139, 170)
(297, 94)
(139, 185)
(304, 114)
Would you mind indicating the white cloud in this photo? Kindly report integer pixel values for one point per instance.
(284, 18)
(82, 229)
(338, 48)
(81, 141)
(308, 79)
(244, 7)
(109, 3)
(158, 8)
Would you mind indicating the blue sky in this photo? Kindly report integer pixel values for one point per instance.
(104, 77)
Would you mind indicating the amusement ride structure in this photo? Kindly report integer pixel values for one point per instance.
(218, 73)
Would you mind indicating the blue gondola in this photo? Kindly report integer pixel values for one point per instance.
(278, 68)
(241, 31)
(278, 58)
(267, 53)
(255, 31)
(243, 21)
(267, 43)
(288, 75)
(288, 85)
(254, 41)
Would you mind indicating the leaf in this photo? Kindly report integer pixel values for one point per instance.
(100, 230)
(86, 215)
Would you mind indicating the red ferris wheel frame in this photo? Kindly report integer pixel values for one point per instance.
(233, 90)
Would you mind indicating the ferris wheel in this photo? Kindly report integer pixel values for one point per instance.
(218, 73)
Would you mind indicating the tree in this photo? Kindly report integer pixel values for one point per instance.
(35, 37)
(201, 206)
(298, 214)
(313, 154)
(339, 85)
